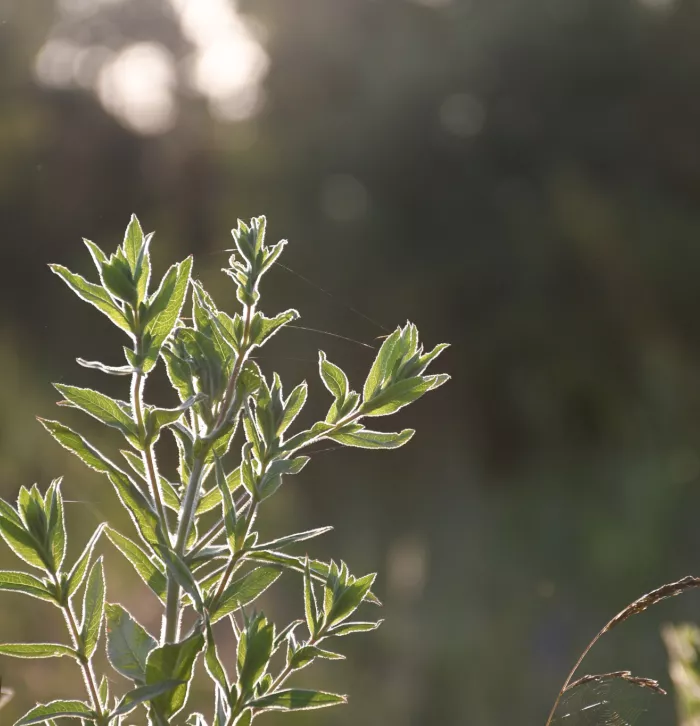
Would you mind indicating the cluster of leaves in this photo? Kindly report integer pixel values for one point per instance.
(220, 569)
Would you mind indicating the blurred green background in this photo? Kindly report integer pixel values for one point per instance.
(521, 178)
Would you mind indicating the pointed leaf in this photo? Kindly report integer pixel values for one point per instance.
(381, 366)
(77, 573)
(93, 608)
(400, 394)
(319, 570)
(128, 643)
(101, 407)
(292, 406)
(296, 699)
(354, 627)
(350, 600)
(244, 590)
(366, 439)
(334, 379)
(165, 307)
(133, 241)
(213, 663)
(182, 574)
(142, 563)
(110, 370)
(262, 328)
(307, 653)
(95, 295)
(138, 507)
(57, 709)
(27, 584)
(142, 694)
(21, 542)
(36, 650)
(170, 496)
(291, 539)
(173, 661)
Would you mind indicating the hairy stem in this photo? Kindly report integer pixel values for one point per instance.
(216, 530)
(171, 623)
(85, 664)
(137, 384)
(235, 559)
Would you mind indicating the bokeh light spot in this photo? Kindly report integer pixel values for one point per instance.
(137, 87)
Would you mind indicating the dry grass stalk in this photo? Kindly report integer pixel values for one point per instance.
(622, 675)
(640, 605)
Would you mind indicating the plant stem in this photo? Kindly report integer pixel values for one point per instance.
(575, 668)
(235, 559)
(242, 355)
(85, 664)
(171, 624)
(217, 529)
(137, 384)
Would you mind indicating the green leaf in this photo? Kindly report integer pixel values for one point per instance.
(262, 328)
(354, 627)
(170, 496)
(212, 498)
(352, 597)
(21, 542)
(182, 574)
(77, 573)
(381, 368)
(304, 438)
(133, 241)
(93, 608)
(221, 709)
(118, 281)
(138, 507)
(164, 310)
(36, 650)
(128, 643)
(310, 606)
(254, 652)
(212, 662)
(296, 699)
(103, 692)
(400, 394)
(110, 370)
(25, 583)
(228, 508)
(291, 539)
(307, 653)
(319, 570)
(142, 694)
(98, 256)
(57, 709)
(56, 524)
(333, 378)
(366, 439)
(173, 661)
(244, 590)
(151, 574)
(273, 476)
(292, 406)
(95, 295)
(101, 407)
(244, 718)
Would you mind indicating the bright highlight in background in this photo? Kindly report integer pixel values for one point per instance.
(138, 82)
